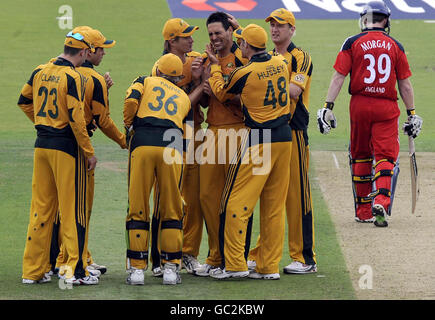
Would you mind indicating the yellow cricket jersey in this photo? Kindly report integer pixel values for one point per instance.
(300, 68)
(156, 104)
(219, 111)
(186, 83)
(96, 104)
(263, 88)
(53, 101)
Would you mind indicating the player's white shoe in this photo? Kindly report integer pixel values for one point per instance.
(204, 270)
(297, 267)
(251, 265)
(135, 276)
(266, 276)
(46, 278)
(171, 274)
(190, 263)
(370, 220)
(98, 267)
(381, 216)
(157, 272)
(89, 280)
(93, 272)
(220, 274)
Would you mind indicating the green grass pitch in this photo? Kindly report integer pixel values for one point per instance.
(32, 36)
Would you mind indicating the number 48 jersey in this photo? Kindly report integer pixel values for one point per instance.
(375, 61)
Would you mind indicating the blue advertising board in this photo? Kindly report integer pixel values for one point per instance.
(302, 9)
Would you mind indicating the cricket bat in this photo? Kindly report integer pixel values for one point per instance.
(415, 190)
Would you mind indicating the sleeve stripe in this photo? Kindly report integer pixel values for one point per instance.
(134, 95)
(98, 94)
(30, 82)
(24, 100)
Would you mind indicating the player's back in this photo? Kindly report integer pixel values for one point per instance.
(377, 60)
(51, 85)
(265, 99)
(163, 104)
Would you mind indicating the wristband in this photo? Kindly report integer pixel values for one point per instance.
(410, 112)
(329, 105)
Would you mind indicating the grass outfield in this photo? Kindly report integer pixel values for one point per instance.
(33, 37)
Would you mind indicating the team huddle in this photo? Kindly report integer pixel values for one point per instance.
(254, 104)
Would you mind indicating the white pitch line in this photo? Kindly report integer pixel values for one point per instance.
(335, 160)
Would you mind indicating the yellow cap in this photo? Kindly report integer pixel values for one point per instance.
(79, 38)
(282, 16)
(100, 41)
(238, 33)
(177, 27)
(255, 35)
(170, 64)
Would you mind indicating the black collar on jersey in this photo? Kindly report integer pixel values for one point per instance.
(261, 57)
(87, 64)
(374, 29)
(291, 46)
(63, 62)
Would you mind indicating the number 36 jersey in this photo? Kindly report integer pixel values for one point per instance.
(375, 61)
(156, 102)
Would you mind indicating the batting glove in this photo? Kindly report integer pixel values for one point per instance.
(326, 118)
(412, 127)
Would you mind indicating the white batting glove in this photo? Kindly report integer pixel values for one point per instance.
(412, 127)
(326, 118)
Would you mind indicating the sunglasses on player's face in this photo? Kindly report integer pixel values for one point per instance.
(79, 37)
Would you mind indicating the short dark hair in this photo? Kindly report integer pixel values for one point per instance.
(377, 17)
(221, 17)
(71, 51)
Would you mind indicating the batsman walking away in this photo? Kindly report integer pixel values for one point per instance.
(376, 63)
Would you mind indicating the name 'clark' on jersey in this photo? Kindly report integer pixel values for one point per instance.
(375, 62)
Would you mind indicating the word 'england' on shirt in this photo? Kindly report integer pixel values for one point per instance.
(373, 44)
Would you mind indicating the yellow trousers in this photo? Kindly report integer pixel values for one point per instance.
(59, 181)
(242, 191)
(146, 164)
(212, 176)
(300, 219)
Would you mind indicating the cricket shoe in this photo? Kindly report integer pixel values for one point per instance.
(204, 270)
(98, 267)
(369, 220)
(157, 272)
(171, 274)
(251, 265)
(190, 263)
(380, 215)
(220, 274)
(297, 267)
(88, 280)
(46, 278)
(93, 272)
(135, 276)
(266, 276)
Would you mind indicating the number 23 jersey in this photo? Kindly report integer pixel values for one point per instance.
(375, 61)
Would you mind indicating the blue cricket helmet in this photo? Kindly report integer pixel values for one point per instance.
(376, 7)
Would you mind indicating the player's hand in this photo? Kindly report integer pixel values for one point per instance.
(412, 127)
(92, 163)
(108, 79)
(326, 120)
(207, 88)
(197, 68)
(210, 53)
(234, 23)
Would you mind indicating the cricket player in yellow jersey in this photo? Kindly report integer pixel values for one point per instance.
(97, 115)
(177, 34)
(263, 88)
(155, 109)
(53, 101)
(299, 207)
(221, 117)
